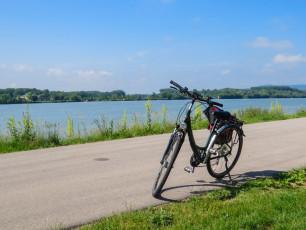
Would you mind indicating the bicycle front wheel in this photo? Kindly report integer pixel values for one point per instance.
(225, 152)
(167, 163)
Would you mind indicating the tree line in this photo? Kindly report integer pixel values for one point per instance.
(28, 95)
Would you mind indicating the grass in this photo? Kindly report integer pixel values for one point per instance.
(24, 135)
(271, 203)
(255, 115)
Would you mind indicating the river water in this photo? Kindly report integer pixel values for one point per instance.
(84, 113)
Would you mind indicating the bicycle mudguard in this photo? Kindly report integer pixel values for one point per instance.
(229, 125)
(218, 132)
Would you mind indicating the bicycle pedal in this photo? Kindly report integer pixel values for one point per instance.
(189, 169)
(213, 151)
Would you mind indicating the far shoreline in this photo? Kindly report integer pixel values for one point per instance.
(58, 102)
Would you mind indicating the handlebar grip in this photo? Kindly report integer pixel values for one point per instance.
(218, 104)
(177, 85)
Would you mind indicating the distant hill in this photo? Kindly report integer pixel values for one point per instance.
(298, 86)
(302, 87)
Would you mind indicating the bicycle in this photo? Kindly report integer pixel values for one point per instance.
(223, 146)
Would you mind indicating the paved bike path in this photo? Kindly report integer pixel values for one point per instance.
(73, 185)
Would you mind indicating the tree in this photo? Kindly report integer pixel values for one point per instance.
(5, 98)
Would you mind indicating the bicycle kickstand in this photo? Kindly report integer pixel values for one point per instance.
(229, 173)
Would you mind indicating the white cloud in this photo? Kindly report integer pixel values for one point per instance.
(225, 72)
(137, 55)
(130, 58)
(105, 73)
(287, 62)
(18, 67)
(168, 38)
(143, 66)
(268, 69)
(21, 68)
(280, 23)
(282, 58)
(81, 72)
(220, 64)
(92, 75)
(262, 42)
(142, 53)
(55, 72)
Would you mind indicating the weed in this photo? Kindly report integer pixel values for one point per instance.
(272, 107)
(25, 132)
(124, 121)
(12, 128)
(149, 116)
(53, 134)
(253, 114)
(301, 112)
(70, 131)
(161, 218)
(296, 176)
(278, 107)
(198, 116)
(164, 112)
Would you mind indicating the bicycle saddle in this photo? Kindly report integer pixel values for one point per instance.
(220, 114)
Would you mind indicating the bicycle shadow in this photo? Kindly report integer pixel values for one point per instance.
(219, 183)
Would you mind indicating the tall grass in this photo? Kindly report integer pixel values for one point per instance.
(23, 131)
(149, 116)
(255, 114)
(198, 121)
(70, 131)
(25, 135)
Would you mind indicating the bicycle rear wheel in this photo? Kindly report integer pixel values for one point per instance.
(225, 152)
(167, 163)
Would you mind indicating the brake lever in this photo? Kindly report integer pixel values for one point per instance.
(175, 88)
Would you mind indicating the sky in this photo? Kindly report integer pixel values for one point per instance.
(140, 45)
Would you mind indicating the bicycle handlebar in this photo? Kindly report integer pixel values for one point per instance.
(217, 104)
(175, 84)
(194, 95)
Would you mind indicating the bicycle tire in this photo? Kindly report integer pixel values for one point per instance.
(167, 165)
(227, 150)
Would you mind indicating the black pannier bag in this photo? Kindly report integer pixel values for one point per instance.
(209, 113)
(225, 137)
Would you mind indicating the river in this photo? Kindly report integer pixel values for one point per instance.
(83, 114)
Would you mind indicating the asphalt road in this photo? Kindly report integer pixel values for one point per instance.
(73, 185)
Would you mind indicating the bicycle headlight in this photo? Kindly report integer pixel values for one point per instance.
(183, 126)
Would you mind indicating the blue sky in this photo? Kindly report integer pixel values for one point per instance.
(140, 45)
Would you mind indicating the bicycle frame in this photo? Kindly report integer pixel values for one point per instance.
(203, 155)
(185, 127)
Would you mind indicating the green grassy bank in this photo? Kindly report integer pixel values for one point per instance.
(271, 203)
(25, 135)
